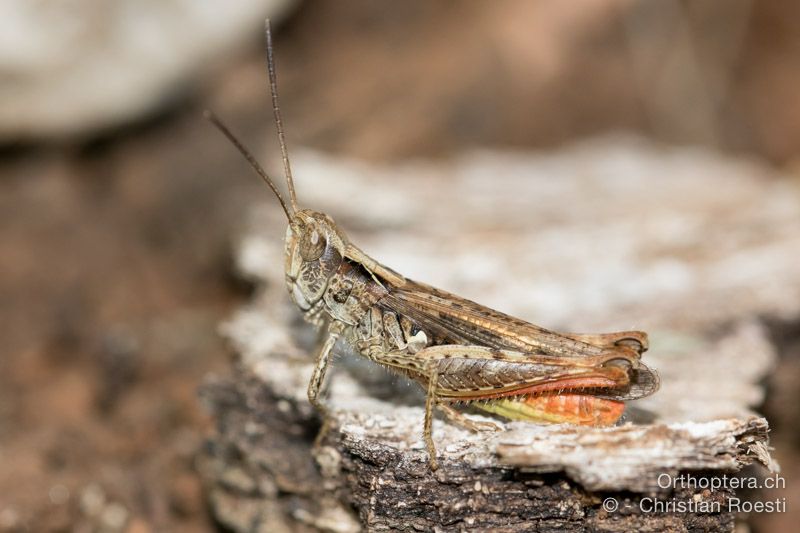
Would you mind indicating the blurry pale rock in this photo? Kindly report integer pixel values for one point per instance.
(610, 232)
(74, 67)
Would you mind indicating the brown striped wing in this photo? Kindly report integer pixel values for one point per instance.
(450, 319)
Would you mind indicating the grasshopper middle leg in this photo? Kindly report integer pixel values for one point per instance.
(430, 402)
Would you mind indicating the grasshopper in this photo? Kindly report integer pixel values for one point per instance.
(459, 351)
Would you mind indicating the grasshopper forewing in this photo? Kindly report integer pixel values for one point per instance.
(458, 350)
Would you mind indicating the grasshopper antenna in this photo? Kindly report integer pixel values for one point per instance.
(250, 159)
(273, 87)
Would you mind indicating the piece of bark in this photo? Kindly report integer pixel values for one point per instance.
(685, 245)
(372, 473)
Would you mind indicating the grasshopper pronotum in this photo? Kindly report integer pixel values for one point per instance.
(458, 350)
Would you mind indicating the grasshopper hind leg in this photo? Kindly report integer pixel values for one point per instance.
(635, 340)
(462, 420)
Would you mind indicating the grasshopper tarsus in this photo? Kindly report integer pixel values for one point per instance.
(460, 351)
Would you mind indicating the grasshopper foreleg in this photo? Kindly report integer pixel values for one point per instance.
(320, 367)
(315, 385)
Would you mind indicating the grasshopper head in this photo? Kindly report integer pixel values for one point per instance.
(314, 246)
(314, 250)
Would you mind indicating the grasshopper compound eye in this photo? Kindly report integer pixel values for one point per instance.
(312, 244)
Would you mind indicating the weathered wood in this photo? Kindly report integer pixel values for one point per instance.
(656, 253)
(370, 473)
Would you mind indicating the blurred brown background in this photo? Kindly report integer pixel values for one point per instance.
(119, 203)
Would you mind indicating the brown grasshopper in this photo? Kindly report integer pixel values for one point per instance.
(458, 350)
